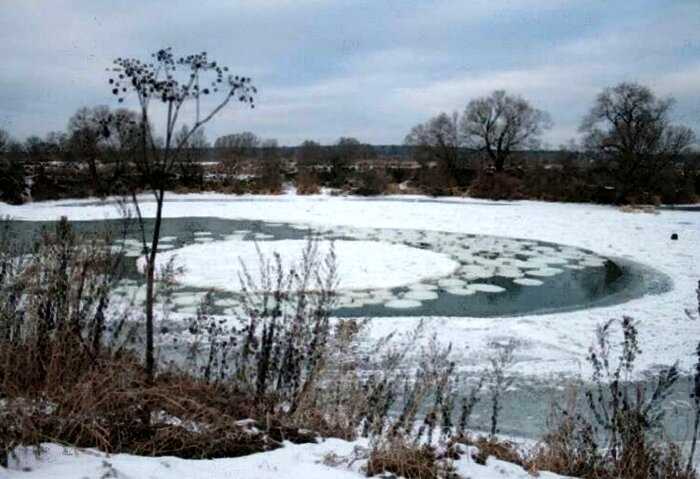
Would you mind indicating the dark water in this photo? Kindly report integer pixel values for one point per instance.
(615, 282)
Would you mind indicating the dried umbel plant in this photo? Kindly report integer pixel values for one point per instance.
(172, 82)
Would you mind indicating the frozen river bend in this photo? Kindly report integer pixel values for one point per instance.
(548, 343)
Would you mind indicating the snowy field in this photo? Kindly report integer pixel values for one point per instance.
(548, 344)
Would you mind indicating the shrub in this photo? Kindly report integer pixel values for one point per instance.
(307, 182)
(436, 180)
(269, 180)
(499, 379)
(54, 302)
(408, 460)
(565, 183)
(617, 438)
(190, 175)
(496, 186)
(372, 182)
(12, 180)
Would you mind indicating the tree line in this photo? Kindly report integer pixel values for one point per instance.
(628, 133)
(628, 140)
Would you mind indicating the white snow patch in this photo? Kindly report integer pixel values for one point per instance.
(528, 282)
(361, 264)
(293, 460)
(402, 304)
(487, 288)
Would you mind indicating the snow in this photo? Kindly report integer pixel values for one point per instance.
(382, 265)
(292, 461)
(554, 344)
(527, 282)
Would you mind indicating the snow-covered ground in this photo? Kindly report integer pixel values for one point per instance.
(304, 461)
(547, 344)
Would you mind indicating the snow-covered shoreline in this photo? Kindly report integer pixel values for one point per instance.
(302, 461)
(548, 344)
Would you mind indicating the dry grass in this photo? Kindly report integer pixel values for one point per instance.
(112, 406)
(492, 447)
(307, 182)
(409, 460)
(651, 209)
(497, 186)
(570, 452)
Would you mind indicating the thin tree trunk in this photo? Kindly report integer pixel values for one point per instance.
(150, 290)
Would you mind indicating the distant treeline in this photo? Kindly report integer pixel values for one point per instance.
(629, 152)
(407, 153)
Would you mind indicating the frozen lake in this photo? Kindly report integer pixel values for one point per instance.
(540, 274)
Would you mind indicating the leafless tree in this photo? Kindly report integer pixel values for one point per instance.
(241, 145)
(438, 140)
(500, 124)
(100, 135)
(629, 125)
(309, 154)
(194, 145)
(173, 83)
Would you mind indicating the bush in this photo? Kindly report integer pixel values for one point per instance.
(436, 180)
(190, 175)
(557, 184)
(12, 181)
(270, 179)
(497, 186)
(617, 438)
(408, 460)
(307, 182)
(53, 306)
(372, 182)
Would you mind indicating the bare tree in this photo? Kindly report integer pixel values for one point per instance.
(345, 151)
(194, 145)
(241, 145)
(629, 125)
(310, 154)
(98, 135)
(500, 124)
(173, 83)
(438, 140)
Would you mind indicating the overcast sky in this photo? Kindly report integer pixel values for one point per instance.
(370, 69)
